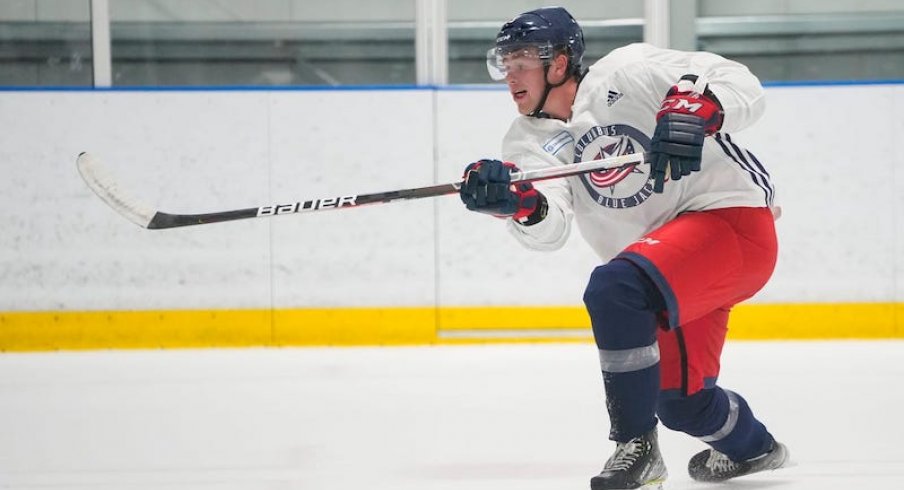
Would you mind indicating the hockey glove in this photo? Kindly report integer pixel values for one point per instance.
(685, 118)
(488, 188)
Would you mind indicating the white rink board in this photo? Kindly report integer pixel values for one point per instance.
(64, 249)
(372, 256)
(208, 151)
(834, 154)
(831, 150)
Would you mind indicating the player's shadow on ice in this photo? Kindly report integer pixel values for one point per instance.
(750, 485)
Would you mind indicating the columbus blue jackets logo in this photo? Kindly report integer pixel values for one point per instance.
(623, 187)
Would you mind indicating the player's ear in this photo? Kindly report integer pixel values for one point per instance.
(560, 67)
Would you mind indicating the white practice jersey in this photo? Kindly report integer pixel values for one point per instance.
(614, 113)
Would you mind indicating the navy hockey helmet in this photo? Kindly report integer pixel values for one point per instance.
(548, 30)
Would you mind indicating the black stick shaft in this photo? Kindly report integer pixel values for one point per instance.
(163, 220)
(105, 187)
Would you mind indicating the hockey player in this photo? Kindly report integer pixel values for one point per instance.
(682, 238)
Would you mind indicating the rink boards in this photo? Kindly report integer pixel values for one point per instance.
(29, 331)
(75, 275)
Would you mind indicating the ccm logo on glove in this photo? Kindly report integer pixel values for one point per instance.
(684, 119)
(682, 99)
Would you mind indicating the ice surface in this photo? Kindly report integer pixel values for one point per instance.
(521, 417)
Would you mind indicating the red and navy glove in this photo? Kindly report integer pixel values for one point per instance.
(685, 118)
(488, 188)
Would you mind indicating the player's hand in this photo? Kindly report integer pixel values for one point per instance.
(685, 118)
(488, 188)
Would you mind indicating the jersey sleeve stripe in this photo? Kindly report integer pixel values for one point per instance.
(762, 181)
(764, 173)
(759, 166)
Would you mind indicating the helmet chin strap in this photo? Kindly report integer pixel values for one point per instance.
(538, 111)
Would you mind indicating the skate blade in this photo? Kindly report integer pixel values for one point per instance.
(786, 464)
(653, 485)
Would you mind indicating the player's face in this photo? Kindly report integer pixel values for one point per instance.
(526, 79)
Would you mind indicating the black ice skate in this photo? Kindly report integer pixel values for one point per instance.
(713, 466)
(635, 464)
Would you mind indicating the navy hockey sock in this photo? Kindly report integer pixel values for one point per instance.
(623, 305)
(721, 418)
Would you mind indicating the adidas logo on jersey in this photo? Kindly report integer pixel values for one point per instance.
(613, 97)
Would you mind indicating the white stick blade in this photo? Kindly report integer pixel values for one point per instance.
(102, 183)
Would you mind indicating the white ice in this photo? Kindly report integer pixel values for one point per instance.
(520, 417)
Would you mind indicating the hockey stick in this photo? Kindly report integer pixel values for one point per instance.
(105, 187)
